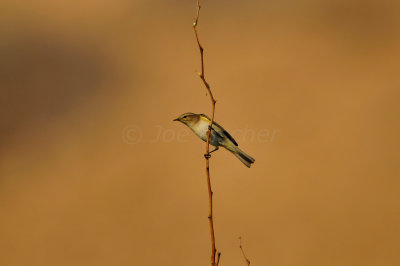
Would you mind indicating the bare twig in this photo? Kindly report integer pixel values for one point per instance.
(207, 155)
(244, 255)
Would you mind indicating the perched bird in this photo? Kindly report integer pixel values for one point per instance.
(199, 124)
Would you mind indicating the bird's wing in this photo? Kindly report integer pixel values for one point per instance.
(220, 130)
(230, 137)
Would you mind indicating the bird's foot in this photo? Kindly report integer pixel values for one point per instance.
(207, 156)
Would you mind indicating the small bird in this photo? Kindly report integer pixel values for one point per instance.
(199, 124)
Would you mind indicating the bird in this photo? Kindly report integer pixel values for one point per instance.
(200, 124)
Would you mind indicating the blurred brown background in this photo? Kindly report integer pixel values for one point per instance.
(94, 172)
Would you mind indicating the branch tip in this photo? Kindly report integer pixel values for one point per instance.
(244, 255)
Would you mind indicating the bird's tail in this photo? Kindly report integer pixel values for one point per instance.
(243, 157)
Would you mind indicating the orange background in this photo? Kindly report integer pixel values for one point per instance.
(86, 87)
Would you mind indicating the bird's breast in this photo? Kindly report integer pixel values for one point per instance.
(201, 129)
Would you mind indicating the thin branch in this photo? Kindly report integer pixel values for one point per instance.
(207, 154)
(244, 255)
(219, 256)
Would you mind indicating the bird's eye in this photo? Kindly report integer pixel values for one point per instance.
(184, 116)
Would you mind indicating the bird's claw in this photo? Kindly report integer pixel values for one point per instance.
(210, 127)
(207, 156)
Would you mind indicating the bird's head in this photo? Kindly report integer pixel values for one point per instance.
(188, 118)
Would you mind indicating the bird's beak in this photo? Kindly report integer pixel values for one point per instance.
(176, 119)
